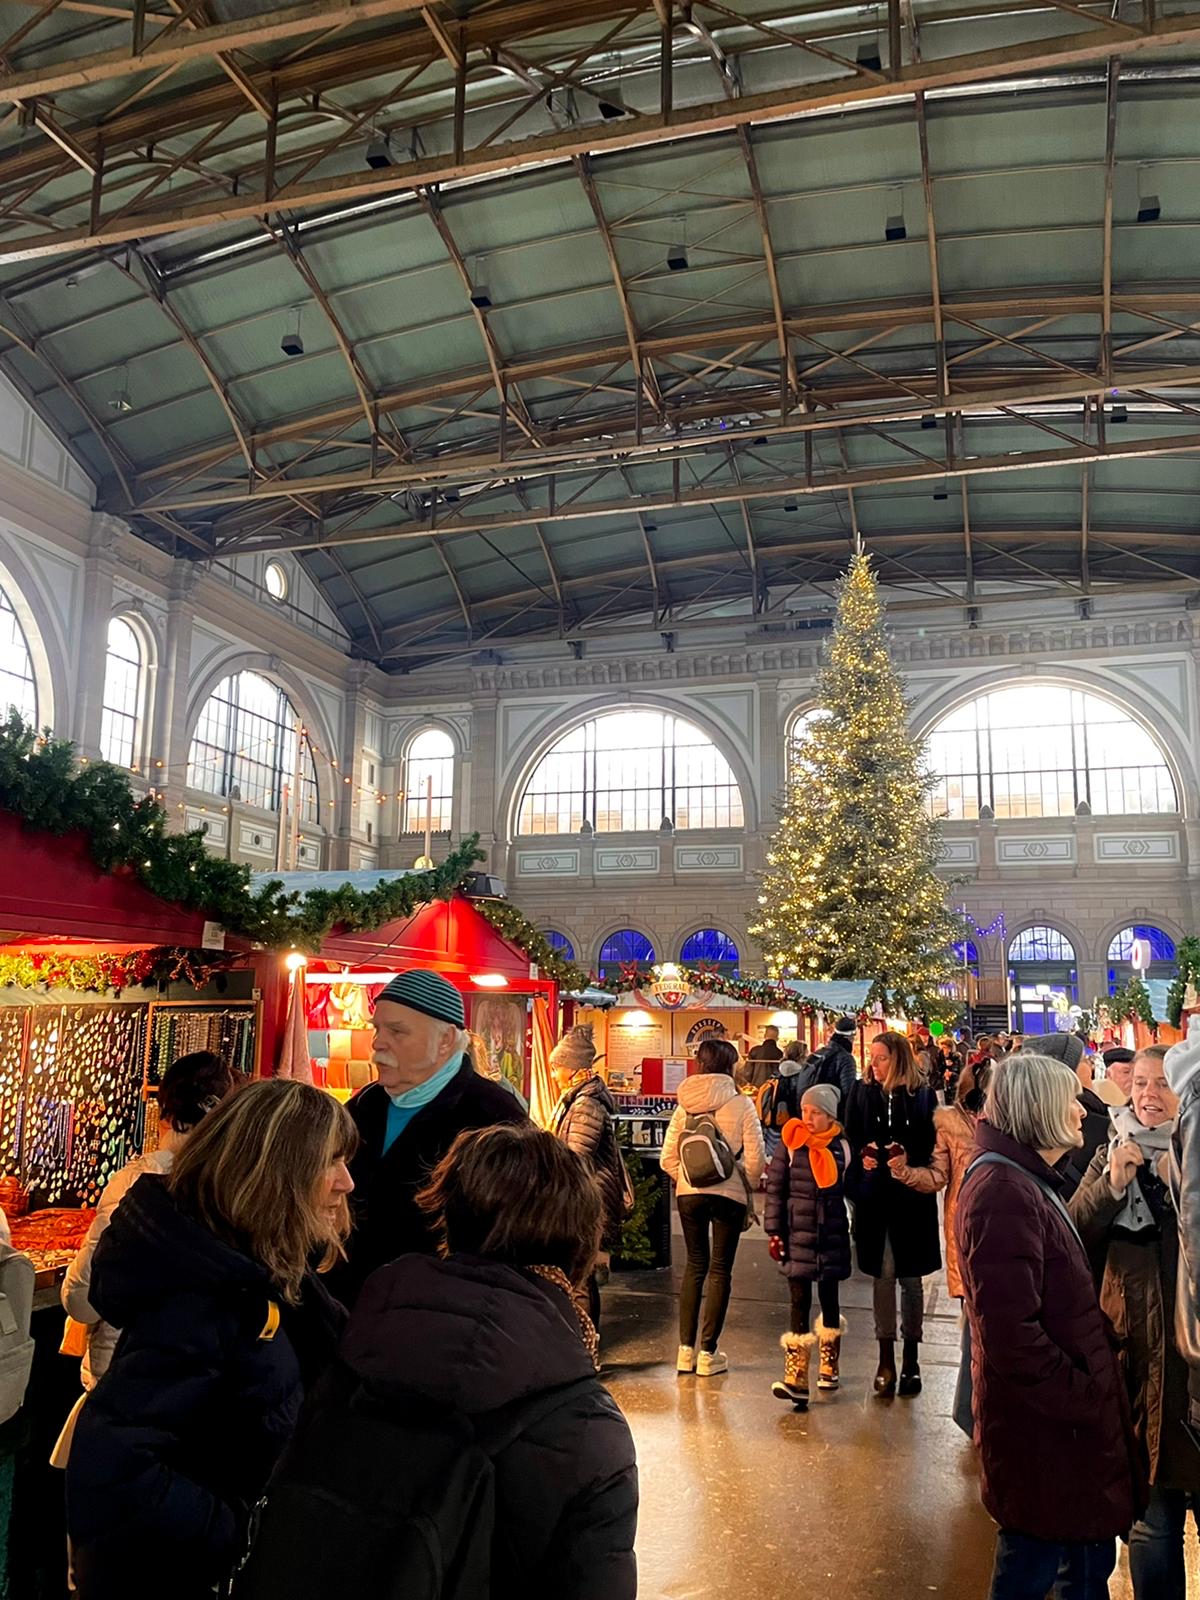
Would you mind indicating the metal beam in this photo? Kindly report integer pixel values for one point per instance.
(644, 376)
(983, 66)
(717, 494)
(788, 384)
(267, 27)
(1106, 269)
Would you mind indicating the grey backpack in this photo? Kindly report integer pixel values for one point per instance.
(705, 1158)
(16, 1347)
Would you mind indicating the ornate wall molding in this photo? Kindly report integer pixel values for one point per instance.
(629, 858)
(1132, 848)
(548, 863)
(1020, 850)
(708, 858)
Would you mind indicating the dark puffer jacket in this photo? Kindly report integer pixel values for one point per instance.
(467, 1337)
(583, 1120)
(387, 1223)
(178, 1438)
(812, 1222)
(1057, 1455)
(884, 1208)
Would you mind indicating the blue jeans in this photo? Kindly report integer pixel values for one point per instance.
(1030, 1569)
(1156, 1546)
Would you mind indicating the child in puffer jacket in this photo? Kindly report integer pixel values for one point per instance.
(809, 1233)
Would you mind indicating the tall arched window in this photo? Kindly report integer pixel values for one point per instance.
(967, 955)
(429, 781)
(798, 730)
(1045, 751)
(559, 942)
(18, 687)
(710, 947)
(122, 706)
(1044, 982)
(1120, 954)
(244, 746)
(622, 947)
(629, 771)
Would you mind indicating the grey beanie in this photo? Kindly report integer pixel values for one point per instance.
(824, 1096)
(429, 993)
(1064, 1047)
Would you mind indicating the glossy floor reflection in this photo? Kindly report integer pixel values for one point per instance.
(742, 1496)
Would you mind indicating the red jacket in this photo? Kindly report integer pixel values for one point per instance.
(1058, 1460)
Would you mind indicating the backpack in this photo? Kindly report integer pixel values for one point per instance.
(777, 1101)
(382, 1497)
(705, 1158)
(825, 1063)
(17, 1276)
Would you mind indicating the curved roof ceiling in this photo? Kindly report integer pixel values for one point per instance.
(648, 310)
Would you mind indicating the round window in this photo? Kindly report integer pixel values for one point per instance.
(276, 579)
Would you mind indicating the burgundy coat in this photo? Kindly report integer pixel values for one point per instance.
(1058, 1459)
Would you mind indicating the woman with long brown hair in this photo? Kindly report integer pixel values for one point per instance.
(890, 1126)
(209, 1273)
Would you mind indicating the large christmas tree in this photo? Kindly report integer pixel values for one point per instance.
(851, 890)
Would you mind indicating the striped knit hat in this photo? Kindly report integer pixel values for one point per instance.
(427, 992)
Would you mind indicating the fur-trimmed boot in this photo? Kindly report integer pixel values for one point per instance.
(797, 1353)
(830, 1341)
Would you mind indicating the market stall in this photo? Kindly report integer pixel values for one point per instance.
(502, 988)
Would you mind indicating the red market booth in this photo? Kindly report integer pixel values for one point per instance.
(102, 984)
(508, 1003)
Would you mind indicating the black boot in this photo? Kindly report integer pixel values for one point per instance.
(910, 1368)
(885, 1378)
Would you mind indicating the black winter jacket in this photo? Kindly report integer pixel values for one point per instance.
(833, 1063)
(812, 1222)
(387, 1223)
(468, 1336)
(583, 1120)
(178, 1438)
(1097, 1126)
(884, 1208)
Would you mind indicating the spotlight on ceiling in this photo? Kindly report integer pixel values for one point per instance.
(941, 492)
(121, 401)
(292, 344)
(480, 295)
(1149, 205)
(893, 227)
(928, 421)
(677, 258)
(379, 151)
(791, 505)
(1118, 414)
(611, 103)
(869, 55)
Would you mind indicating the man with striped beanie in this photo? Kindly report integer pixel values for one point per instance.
(426, 1094)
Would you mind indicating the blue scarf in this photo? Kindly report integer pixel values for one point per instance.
(404, 1107)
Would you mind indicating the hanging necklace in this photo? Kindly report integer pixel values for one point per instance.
(587, 1328)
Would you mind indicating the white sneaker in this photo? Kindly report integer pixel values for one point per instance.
(685, 1361)
(710, 1362)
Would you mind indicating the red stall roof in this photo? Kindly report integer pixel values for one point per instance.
(448, 935)
(51, 888)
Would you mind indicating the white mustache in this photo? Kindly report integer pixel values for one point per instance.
(382, 1058)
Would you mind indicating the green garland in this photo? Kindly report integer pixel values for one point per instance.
(636, 1248)
(42, 783)
(1188, 958)
(512, 924)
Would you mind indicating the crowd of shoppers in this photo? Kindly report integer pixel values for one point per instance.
(351, 1348)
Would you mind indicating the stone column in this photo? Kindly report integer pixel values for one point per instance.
(485, 713)
(171, 737)
(346, 824)
(99, 570)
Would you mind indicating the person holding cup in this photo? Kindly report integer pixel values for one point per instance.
(890, 1127)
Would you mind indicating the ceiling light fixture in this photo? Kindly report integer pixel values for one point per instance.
(481, 298)
(379, 151)
(893, 227)
(292, 344)
(1118, 414)
(869, 55)
(1149, 205)
(120, 400)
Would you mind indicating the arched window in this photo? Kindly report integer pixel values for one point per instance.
(1044, 982)
(1046, 751)
(122, 704)
(1041, 944)
(629, 771)
(559, 942)
(429, 775)
(622, 947)
(1120, 955)
(18, 687)
(711, 948)
(798, 729)
(967, 955)
(244, 746)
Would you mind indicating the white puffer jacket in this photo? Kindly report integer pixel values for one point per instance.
(738, 1121)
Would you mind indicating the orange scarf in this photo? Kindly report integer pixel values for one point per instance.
(798, 1136)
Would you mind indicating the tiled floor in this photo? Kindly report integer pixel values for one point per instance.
(743, 1497)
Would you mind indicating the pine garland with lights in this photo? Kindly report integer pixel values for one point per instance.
(1131, 1003)
(851, 888)
(512, 924)
(109, 973)
(763, 994)
(43, 783)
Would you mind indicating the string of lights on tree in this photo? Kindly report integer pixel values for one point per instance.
(851, 888)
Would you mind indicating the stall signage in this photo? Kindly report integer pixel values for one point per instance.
(669, 987)
(706, 1028)
(213, 937)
